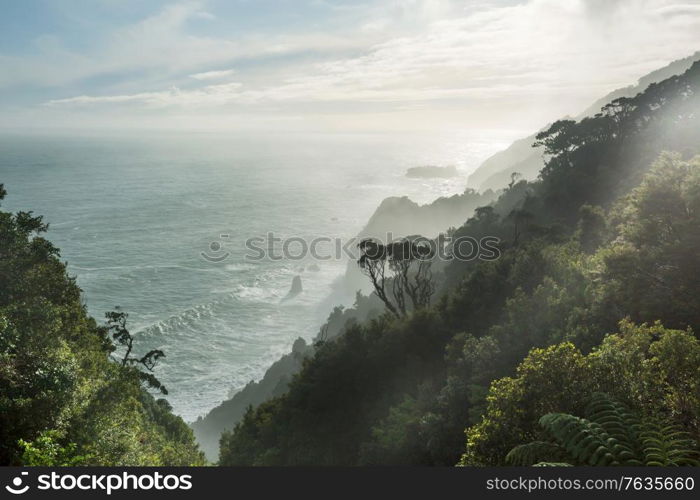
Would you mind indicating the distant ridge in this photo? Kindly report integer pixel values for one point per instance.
(495, 172)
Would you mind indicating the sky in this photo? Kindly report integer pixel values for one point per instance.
(326, 64)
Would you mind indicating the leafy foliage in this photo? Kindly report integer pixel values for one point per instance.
(633, 367)
(668, 445)
(604, 234)
(45, 450)
(62, 400)
(611, 435)
(513, 349)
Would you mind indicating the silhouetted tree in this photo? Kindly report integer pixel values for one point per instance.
(406, 265)
(373, 263)
(116, 324)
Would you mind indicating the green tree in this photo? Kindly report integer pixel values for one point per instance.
(649, 369)
(647, 269)
(62, 400)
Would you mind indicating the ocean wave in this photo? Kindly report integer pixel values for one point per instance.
(212, 316)
(144, 267)
(255, 293)
(239, 267)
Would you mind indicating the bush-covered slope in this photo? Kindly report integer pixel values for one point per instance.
(208, 429)
(596, 239)
(520, 157)
(652, 371)
(62, 400)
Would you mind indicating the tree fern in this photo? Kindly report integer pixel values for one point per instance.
(667, 446)
(621, 425)
(611, 435)
(585, 441)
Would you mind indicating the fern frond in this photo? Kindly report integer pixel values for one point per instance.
(611, 435)
(584, 440)
(622, 425)
(668, 446)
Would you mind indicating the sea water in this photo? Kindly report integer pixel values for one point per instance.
(137, 218)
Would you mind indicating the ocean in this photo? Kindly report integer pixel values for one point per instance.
(140, 219)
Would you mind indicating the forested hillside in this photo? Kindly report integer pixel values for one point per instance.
(68, 396)
(521, 158)
(587, 321)
(592, 307)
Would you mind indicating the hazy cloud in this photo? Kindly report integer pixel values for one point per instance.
(213, 75)
(540, 58)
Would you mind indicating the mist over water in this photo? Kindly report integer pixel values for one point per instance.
(132, 216)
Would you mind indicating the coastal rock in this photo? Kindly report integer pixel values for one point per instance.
(401, 216)
(295, 290)
(432, 172)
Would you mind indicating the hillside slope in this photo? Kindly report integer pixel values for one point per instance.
(609, 233)
(520, 157)
(68, 396)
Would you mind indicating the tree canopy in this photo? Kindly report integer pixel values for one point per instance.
(63, 401)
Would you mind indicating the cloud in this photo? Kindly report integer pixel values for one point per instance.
(206, 96)
(539, 59)
(205, 15)
(213, 75)
(159, 47)
(679, 9)
(536, 48)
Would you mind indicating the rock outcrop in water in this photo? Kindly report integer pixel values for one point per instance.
(295, 290)
(432, 172)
